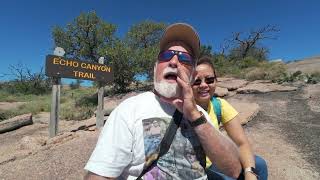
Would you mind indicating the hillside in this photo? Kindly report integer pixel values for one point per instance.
(308, 65)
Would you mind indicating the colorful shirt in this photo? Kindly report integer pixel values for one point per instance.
(130, 140)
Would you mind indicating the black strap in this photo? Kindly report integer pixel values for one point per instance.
(166, 141)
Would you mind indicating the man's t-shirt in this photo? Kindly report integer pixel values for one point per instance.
(131, 137)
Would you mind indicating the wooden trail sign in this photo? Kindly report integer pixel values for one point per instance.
(57, 66)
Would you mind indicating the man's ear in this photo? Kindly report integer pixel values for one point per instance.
(193, 74)
(155, 68)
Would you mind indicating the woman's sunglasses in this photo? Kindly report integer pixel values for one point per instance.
(183, 57)
(207, 80)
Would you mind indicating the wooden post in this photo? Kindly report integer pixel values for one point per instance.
(100, 114)
(55, 104)
(55, 107)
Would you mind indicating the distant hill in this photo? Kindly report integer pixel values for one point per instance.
(308, 65)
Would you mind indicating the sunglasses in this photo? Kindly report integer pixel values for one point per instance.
(183, 57)
(207, 80)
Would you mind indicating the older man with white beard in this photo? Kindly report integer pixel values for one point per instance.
(127, 148)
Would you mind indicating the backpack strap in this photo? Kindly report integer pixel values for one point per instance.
(217, 108)
(165, 142)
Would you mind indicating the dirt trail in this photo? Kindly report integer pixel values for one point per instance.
(286, 133)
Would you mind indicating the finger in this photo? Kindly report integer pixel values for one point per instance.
(186, 88)
(182, 74)
(178, 103)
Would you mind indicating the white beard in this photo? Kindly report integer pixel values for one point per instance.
(168, 90)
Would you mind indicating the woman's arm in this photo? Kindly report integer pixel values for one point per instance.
(236, 133)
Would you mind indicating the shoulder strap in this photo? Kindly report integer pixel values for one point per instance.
(217, 108)
(166, 140)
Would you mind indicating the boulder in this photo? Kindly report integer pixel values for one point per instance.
(232, 84)
(221, 92)
(247, 111)
(258, 88)
(15, 123)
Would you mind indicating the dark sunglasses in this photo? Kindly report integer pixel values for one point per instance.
(183, 57)
(207, 80)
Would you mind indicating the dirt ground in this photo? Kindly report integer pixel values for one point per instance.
(285, 132)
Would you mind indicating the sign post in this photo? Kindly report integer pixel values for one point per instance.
(59, 67)
(55, 104)
(100, 114)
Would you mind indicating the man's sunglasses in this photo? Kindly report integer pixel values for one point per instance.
(183, 57)
(207, 80)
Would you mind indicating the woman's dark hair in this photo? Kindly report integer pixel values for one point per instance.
(207, 60)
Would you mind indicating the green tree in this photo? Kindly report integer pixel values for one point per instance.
(85, 38)
(206, 50)
(143, 38)
(120, 58)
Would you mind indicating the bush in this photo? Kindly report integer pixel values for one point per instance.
(38, 104)
(266, 71)
(255, 74)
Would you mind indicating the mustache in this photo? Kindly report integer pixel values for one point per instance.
(170, 70)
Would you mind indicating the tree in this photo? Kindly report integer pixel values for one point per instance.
(206, 50)
(246, 46)
(143, 38)
(119, 57)
(27, 82)
(85, 38)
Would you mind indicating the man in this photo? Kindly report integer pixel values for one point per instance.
(126, 144)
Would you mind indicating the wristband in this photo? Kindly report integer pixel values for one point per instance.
(251, 170)
(201, 120)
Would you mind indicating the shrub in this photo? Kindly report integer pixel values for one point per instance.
(255, 74)
(266, 71)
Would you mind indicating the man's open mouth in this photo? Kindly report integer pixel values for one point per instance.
(171, 76)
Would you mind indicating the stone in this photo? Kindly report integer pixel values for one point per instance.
(221, 92)
(259, 88)
(247, 111)
(233, 84)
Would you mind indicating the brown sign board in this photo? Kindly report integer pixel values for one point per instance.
(57, 66)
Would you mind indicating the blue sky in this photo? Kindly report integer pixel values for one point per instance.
(25, 30)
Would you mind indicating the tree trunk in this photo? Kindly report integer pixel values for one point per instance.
(15, 123)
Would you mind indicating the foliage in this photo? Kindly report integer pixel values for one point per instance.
(257, 53)
(246, 44)
(206, 50)
(266, 71)
(85, 38)
(26, 82)
(143, 39)
(76, 84)
(124, 66)
(312, 78)
(35, 105)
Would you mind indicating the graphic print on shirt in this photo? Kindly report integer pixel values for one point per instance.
(180, 162)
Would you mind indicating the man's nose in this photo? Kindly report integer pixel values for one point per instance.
(174, 61)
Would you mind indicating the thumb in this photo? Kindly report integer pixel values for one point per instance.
(178, 103)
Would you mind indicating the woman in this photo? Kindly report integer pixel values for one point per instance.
(204, 84)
